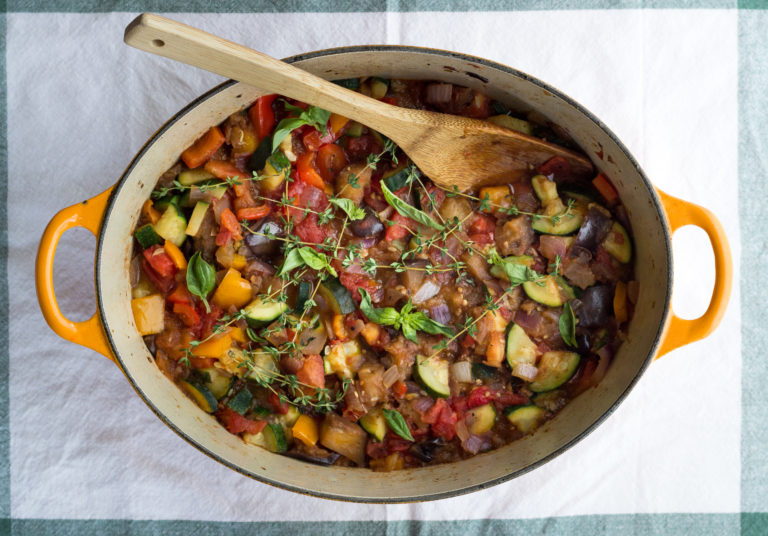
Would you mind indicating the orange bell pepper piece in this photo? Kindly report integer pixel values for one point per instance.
(204, 148)
(305, 168)
(213, 347)
(221, 169)
(233, 290)
(606, 189)
(620, 302)
(336, 123)
(150, 212)
(175, 254)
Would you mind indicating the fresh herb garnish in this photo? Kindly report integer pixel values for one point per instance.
(567, 325)
(348, 206)
(313, 116)
(305, 255)
(201, 278)
(516, 273)
(408, 211)
(397, 424)
(406, 320)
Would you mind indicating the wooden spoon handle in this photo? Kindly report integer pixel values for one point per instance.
(164, 37)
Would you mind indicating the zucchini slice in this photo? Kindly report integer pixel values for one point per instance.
(481, 419)
(545, 189)
(617, 243)
(512, 123)
(193, 176)
(146, 236)
(433, 374)
(274, 438)
(241, 401)
(258, 158)
(172, 225)
(564, 225)
(201, 395)
(305, 290)
(374, 423)
(198, 213)
(218, 383)
(337, 296)
(525, 418)
(520, 348)
(546, 291)
(258, 314)
(481, 371)
(262, 366)
(555, 368)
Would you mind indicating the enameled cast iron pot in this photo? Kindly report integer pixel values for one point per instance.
(653, 331)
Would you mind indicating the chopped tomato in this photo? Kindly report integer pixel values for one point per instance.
(277, 405)
(163, 284)
(236, 423)
(468, 341)
(389, 100)
(303, 196)
(253, 213)
(479, 397)
(399, 389)
(224, 236)
(374, 198)
(230, 222)
(187, 313)
(306, 171)
(436, 197)
(308, 230)
(354, 281)
(312, 371)
(313, 140)
(208, 319)
(330, 161)
(160, 261)
(442, 419)
(400, 228)
(557, 166)
(180, 295)
(262, 116)
(482, 228)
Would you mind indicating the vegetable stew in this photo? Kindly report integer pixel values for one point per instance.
(298, 278)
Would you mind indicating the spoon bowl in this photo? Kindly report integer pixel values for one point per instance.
(450, 150)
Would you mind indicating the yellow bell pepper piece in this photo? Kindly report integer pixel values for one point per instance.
(620, 302)
(238, 262)
(213, 347)
(337, 122)
(238, 335)
(175, 254)
(497, 197)
(149, 314)
(305, 430)
(233, 290)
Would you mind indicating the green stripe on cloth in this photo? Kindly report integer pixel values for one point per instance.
(642, 524)
(753, 191)
(754, 524)
(5, 419)
(324, 6)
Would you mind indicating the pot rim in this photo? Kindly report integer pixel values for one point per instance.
(427, 496)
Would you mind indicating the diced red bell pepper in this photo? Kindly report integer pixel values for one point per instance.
(187, 313)
(180, 295)
(482, 229)
(253, 213)
(306, 171)
(442, 419)
(479, 397)
(399, 389)
(224, 236)
(262, 116)
(236, 423)
(221, 169)
(163, 284)
(230, 222)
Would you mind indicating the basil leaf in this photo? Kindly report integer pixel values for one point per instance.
(567, 325)
(201, 278)
(292, 108)
(516, 273)
(385, 317)
(409, 332)
(317, 117)
(422, 322)
(292, 260)
(348, 206)
(315, 260)
(407, 210)
(397, 424)
(279, 161)
(285, 127)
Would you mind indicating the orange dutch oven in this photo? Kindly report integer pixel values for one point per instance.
(654, 330)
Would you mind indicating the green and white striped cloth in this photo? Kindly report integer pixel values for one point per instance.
(682, 83)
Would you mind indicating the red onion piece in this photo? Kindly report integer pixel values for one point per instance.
(219, 206)
(551, 246)
(422, 404)
(391, 375)
(462, 432)
(440, 313)
(528, 321)
(439, 93)
(256, 265)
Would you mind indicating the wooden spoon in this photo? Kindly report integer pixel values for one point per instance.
(450, 150)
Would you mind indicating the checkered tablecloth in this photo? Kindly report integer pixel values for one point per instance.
(682, 83)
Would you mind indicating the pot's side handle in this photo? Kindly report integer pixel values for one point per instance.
(681, 332)
(90, 333)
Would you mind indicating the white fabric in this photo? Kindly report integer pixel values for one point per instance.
(80, 104)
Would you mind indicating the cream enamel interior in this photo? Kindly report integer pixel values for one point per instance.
(652, 270)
